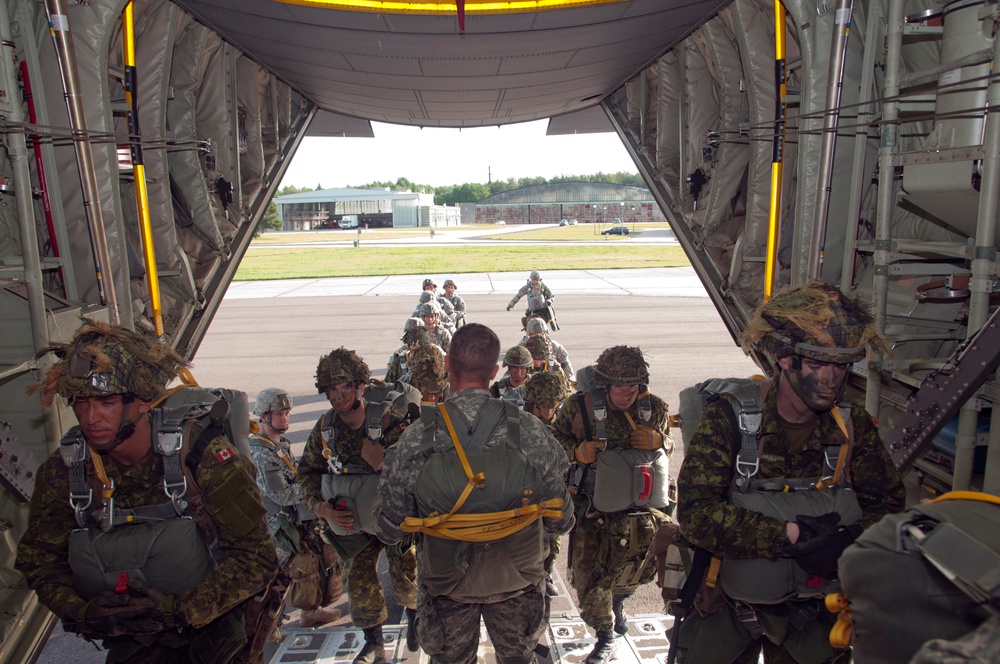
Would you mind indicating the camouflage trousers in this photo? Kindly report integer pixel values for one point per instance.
(448, 631)
(720, 637)
(555, 544)
(364, 591)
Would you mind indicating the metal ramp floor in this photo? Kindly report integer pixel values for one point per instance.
(567, 638)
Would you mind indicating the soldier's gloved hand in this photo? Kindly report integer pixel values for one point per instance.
(644, 438)
(116, 614)
(509, 307)
(334, 516)
(821, 541)
(586, 452)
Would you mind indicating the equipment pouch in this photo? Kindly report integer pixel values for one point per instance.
(360, 495)
(630, 478)
(262, 614)
(220, 640)
(626, 549)
(306, 588)
(674, 557)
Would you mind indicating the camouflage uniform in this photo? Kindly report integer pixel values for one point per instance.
(529, 289)
(439, 334)
(709, 521)
(447, 308)
(276, 481)
(414, 334)
(141, 367)
(589, 578)
(448, 630)
(558, 354)
(457, 302)
(367, 603)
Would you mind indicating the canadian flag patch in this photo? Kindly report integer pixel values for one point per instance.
(224, 455)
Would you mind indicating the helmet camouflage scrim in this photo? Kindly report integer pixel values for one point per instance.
(815, 321)
(543, 389)
(539, 347)
(271, 398)
(341, 366)
(104, 359)
(427, 372)
(416, 336)
(518, 356)
(621, 365)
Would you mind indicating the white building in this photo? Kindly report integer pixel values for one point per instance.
(376, 208)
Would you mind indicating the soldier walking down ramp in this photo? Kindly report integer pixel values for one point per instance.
(339, 476)
(779, 504)
(117, 486)
(613, 431)
(478, 458)
(539, 299)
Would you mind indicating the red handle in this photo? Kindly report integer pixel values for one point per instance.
(647, 483)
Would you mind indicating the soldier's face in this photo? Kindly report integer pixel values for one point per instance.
(101, 418)
(546, 413)
(623, 396)
(342, 396)
(430, 397)
(817, 384)
(517, 375)
(538, 364)
(450, 290)
(535, 282)
(278, 420)
(430, 322)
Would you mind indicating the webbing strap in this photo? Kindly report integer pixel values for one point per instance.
(600, 411)
(489, 526)
(264, 441)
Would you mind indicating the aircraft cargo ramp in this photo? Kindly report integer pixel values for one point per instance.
(567, 639)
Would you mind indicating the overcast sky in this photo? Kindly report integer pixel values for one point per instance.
(439, 157)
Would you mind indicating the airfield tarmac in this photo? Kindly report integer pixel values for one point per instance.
(273, 333)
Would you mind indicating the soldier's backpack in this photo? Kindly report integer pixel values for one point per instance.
(931, 572)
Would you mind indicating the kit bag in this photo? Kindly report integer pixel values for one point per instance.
(931, 572)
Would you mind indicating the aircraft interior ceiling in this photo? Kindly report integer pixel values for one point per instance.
(139, 168)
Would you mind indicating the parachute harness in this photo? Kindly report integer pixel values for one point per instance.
(485, 527)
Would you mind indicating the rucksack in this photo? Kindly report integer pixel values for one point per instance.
(930, 572)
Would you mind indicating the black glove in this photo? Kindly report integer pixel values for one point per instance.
(821, 541)
(509, 307)
(117, 614)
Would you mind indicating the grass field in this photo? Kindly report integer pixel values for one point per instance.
(263, 262)
(580, 233)
(370, 234)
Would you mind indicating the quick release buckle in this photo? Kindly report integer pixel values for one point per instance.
(333, 462)
(750, 421)
(746, 468)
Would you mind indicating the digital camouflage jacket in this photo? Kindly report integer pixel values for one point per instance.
(709, 521)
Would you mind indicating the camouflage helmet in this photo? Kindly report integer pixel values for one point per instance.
(543, 388)
(426, 296)
(535, 274)
(449, 282)
(411, 323)
(815, 321)
(518, 356)
(341, 366)
(104, 359)
(416, 335)
(271, 398)
(539, 347)
(427, 371)
(621, 365)
(536, 325)
(428, 282)
(430, 309)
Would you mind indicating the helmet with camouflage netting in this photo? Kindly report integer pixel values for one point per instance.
(536, 325)
(543, 389)
(427, 371)
(815, 321)
(539, 347)
(272, 398)
(430, 309)
(416, 336)
(341, 366)
(104, 359)
(518, 356)
(621, 365)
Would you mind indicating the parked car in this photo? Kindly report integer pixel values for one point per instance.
(615, 230)
(501, 222)
(563, 222)
(573, 222)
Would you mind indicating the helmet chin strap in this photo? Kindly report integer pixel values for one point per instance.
(267, 421)
(127, 427)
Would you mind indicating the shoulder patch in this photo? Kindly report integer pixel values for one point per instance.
(225, 454)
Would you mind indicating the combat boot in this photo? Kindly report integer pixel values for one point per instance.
(605, 648)
(621, 620)
(373, 651)
(411, 630)
(550, 586)
(320, 616)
